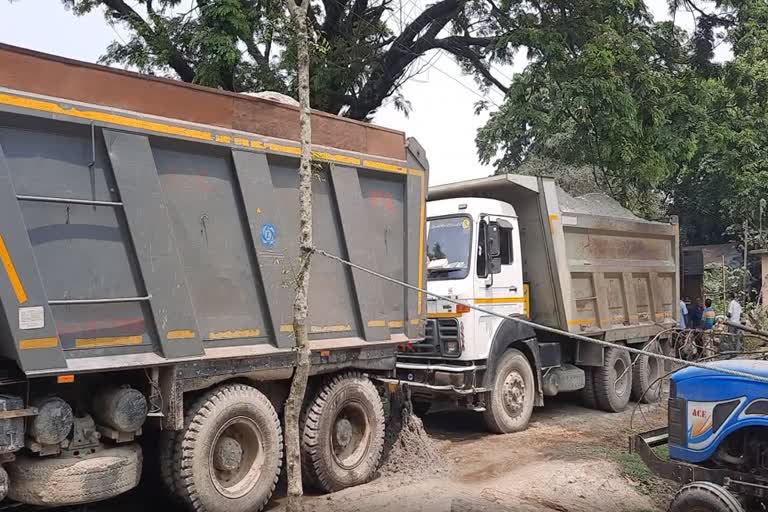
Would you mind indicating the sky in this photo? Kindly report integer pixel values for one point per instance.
(443, 99)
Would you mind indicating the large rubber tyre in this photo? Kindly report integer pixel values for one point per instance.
(62, 481)
(588, 396)
(342, 433)
(704, 497)
(613, 380)
(229, 454)
(646, 379)
(165, 459)
(509, 406)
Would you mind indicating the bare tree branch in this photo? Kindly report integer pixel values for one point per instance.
(466, 52)
(122, 11)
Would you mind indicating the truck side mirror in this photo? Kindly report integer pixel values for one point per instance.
(493, 246)
(493, 237)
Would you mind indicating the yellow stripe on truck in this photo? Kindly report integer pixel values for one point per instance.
(10, 269)
(498, 300)
(108, 341)
(181, 334)
(51, 342)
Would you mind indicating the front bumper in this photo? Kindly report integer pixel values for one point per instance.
(441, 378)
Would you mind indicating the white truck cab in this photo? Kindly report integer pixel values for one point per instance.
(517, 246)
(459, 231)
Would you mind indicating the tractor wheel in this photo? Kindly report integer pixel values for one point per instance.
(704, 497)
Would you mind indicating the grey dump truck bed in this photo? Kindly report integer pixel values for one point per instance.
(145, 222)
(604, 272)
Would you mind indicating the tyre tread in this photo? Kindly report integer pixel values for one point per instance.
(492, 417)
(201, 411)
(712, 495)
(313, 465)
(603, 380)
(588, 396)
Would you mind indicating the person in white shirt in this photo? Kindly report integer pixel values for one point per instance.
(734, 312)
(683, 314)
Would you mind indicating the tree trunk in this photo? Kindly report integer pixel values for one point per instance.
(300, 304)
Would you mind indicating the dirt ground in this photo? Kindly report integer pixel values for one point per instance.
(571, 459)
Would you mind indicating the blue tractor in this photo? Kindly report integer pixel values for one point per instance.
(717, 437)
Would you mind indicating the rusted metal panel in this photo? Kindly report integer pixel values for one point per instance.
(48, 75)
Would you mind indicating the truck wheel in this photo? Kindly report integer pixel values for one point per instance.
(228, 456)
(704, 497)
(343, 433)
(61, 481)
(613, 380)
(510, 404)
(646, 379)
(588, 396)
(165, 460)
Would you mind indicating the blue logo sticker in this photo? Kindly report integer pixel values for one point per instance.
(268, 234)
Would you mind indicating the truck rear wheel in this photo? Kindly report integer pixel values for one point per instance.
(704, 497)
(342, 433)
(613, 380)
(165, 460)
(646, 379)
(228, 456)
(588, 396)
(510, 404)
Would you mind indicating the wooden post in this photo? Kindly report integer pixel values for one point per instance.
(725, 294)
(764, 287)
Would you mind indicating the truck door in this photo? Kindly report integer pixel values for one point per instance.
(499, 283)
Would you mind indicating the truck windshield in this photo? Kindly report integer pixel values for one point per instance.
(448, 247)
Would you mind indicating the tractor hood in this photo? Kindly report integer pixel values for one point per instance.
(751, 366)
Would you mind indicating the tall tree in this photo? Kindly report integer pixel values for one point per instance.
(664, 127)
(606, 88)
(299, 10)
(365, 49)
(723, 182)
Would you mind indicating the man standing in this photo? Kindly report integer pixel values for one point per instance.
(708, 316)
(694, 314)
(683, 314)
(734, 312)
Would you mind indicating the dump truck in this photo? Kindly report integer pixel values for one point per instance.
(148, 243)
(518, 246)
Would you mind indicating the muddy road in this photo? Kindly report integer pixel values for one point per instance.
(571, 459)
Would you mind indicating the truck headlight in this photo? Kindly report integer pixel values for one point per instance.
(451, 347)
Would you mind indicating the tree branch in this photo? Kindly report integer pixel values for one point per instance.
(406, 48)
(124, 12)
(473, 57)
